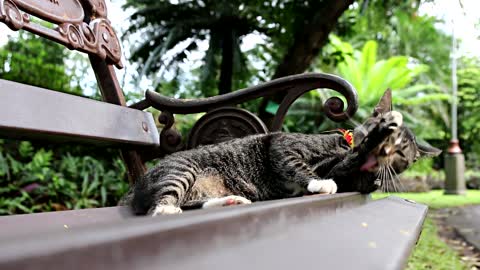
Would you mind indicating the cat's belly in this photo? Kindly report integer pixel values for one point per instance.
(210, 186)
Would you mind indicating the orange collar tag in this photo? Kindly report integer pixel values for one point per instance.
(348, 136)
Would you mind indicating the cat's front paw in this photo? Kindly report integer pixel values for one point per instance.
(322, 186)
(394, 120)
(165, 210)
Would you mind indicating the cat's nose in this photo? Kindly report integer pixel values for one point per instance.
(385, 151)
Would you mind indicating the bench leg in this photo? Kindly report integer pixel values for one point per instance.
(135, 166)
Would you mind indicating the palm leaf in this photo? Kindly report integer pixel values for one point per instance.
(368, 57)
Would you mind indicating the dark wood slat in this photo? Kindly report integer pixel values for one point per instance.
(344, 231)
(21, 225)
(28, 112)
(61, 221)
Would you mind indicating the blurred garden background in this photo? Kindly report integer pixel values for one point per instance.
(201, 48)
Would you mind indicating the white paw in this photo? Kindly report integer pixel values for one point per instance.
(397, 119)
(166, 210)
(322, 186)
(226, 201)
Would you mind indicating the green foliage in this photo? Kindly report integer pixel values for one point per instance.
(33, 179)
(172, 31)
(421, 166)
(417, 37)
(306, 114)
(36, 176)
(37, 62)
(469, 110)
(372, 76)
(168, 26)
(399, 30)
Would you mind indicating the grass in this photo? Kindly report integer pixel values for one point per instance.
(436, 199)
(431, 252)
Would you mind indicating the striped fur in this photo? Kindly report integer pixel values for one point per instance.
(277, 165)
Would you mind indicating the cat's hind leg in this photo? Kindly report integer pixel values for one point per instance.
(164, 210)
(215, 202)
(225, 201)
(163, 196)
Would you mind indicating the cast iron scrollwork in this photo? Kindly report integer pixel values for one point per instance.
(108, 46)
(11, 15)
(294, 86)
(216, 126)
(93, 35)
(210, 125)
(223, 124)
(170, 138)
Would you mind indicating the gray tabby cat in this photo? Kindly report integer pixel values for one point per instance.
(280, 165)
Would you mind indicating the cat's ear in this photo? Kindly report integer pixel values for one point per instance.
(427, 151)
(385, 103)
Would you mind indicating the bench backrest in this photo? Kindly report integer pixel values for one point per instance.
(79, 25)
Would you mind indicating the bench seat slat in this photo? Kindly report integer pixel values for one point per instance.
(47, 114)
(342, 231)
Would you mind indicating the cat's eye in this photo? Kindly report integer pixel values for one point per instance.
(400, 153)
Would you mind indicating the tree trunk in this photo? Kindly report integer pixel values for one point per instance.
(226, 68)
(308, 42)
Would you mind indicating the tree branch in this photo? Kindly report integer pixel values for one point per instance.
(306, 46)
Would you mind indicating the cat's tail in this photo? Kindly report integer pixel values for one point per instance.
(141, 200)
(126, 199)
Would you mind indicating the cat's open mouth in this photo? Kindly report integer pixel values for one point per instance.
(370, 164)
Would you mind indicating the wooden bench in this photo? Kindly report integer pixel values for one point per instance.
(340, 231)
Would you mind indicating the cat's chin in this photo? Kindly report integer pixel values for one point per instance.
(370, 164)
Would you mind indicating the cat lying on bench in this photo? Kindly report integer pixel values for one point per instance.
(280, 165)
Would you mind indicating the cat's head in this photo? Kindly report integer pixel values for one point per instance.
(399, 150)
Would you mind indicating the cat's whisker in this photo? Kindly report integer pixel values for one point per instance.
(389, 186)
(357, 125)
(379, 176)
(394, 179)
(394, 182)
(354, 123)
(387, 181)
(390, 178)
(397, 179)
(383, 176)
(389, 174)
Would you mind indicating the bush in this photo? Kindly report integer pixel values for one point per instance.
(472, 179)
(38, 178)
